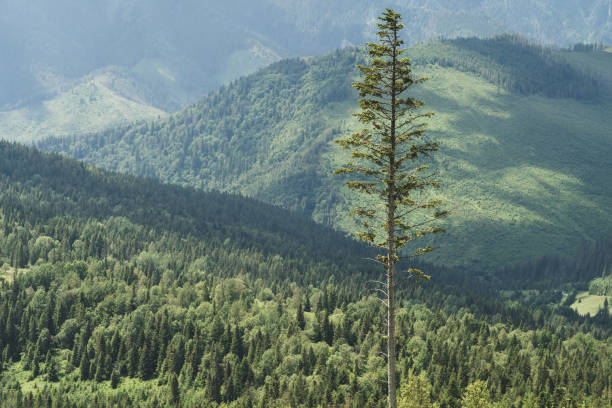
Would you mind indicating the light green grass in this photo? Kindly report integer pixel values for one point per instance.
(88, 107)
(587, 304)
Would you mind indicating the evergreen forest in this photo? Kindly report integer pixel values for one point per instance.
(523, 129)
(123, 291)
(180, 231)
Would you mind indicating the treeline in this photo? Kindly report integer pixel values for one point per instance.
(120, 291)
(591, 260)
(601, 286)
(588, 47)
(36, 187)
(513, 63)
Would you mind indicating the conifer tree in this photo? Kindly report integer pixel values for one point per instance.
(300, 317)
(173, 388)
(385, 156)
(115, 379)
(84, 367)
(51, 368)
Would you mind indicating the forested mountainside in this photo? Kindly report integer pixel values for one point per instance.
(160, 54)
(524, 134)
(121, 291)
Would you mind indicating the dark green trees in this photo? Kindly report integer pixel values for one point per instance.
(385, 155)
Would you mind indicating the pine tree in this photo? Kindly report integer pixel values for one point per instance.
(300, 317)
(51, 368)
(214, 378)
(115, 379)
(173, 388)
(35, 369)
(384, 156)
(84, 367)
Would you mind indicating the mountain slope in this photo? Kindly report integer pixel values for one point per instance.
(86, 107)
(524, 169)
(72, 189)
(119, 291)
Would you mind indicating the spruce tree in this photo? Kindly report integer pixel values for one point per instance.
(84, 367)
(52, 369)
(300, 317)
(115, 379)
(173, 390)
(385, 157)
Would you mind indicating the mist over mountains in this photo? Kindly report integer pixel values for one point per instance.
(174, 52)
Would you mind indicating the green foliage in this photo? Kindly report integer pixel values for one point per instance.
(415, 392)
(134, 263)
(601, 286)
(476, 396)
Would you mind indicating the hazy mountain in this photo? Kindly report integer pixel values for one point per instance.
(525, 135)
(172, 53)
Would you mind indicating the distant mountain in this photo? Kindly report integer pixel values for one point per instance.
(173, 53)
(525, 135)
(90, 105)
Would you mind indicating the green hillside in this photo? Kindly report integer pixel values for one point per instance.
(119, 291)
(87, 107)
(525, 138)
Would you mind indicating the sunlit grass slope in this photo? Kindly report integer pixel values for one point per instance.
(525, 174)
(587, 304)
(87, 107)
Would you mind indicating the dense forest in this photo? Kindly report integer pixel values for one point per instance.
(181, 231)
(514, 64)
(122, 291)
(497, 102)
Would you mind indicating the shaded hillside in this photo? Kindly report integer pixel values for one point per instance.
(526, 173)
(70, 188)
(514, 64)
(119, 291)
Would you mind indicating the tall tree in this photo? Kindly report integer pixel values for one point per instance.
(386, 157)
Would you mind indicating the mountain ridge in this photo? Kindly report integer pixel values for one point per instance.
(269, 136)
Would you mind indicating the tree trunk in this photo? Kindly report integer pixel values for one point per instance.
(391, 336)
(391, 243)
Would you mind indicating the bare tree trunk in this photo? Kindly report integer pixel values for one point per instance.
(391, 245)
(391, 336)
